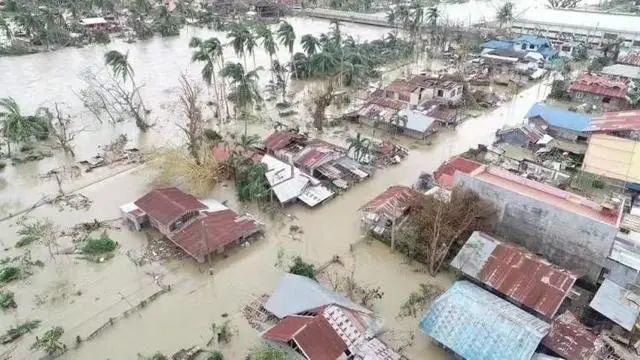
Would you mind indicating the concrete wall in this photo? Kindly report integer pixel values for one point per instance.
(567, 239)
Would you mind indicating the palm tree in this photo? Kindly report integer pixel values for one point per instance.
(505, 14)
(265, 35)
(400, 121)
(323, 63)
(250, 45)
(239, 34)
(119, 64)
(287, 38)
(247, 142)
(310, 44)
(16, 127)
(432, 16)
(245, 92)
(207, 52)
(359, 145)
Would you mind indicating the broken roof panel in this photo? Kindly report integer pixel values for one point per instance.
(212, 232)
(476, 324)
(166, 205)
(286, 181)
(628, 120)
(513, 271)
(280, 139)
(396, 199)
(570, 339)
(620, 305)
(296, 294)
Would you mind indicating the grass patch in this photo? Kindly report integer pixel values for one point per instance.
(9, 273)
(16, 332)
(6, 300)
(98, 246)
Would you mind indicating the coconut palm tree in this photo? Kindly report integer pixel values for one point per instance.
(265, 35)
(359, 145)
(323, 63)
(16, 127)
(287, 37)
(207, 52)
(119, 64)
(239, 35)
(245, 92)
(310, 44)
(250, 45)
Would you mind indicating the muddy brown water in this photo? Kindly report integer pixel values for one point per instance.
(81, 296)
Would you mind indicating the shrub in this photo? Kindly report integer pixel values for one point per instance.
(9, 273)
(98, 246)
(216, 355)
(15, 332)
(299, 267)
(597, 184)
(6, 300)
(50, 341)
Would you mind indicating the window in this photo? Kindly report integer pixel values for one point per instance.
(403, 97)
(440, 93)
(606, 99)
(579, 95)
(524, 47)
(532, 46)
(566, 48)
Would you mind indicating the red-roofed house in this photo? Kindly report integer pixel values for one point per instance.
(600, 91)
(197, 228)
(569, 230)
(387, 209)
(311, 336)
(444, 174)
(279, 140)
(619, 123)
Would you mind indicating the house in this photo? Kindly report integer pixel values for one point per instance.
(95, 24)
(631, 58)
(475, 324)
(622, 72)
(618, 303)
(558, 122)
(444, 174)
(404, 90)
(520, 46)
(198, 228)
(526, 136)
(388, 209)
(618, 123)
(289, 184)
(320, 324)
(600, 91)
(593, 27)
(417, 124)
(613, 157)
(421, 88)
(523, 277)
(569, 230)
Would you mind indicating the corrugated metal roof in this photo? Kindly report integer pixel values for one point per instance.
(286, 181)
(476, 324)
(560, 118)
(497, 44)
(628, 120)
(287, 328)
(280, 139)
(395, 200)
(213, 231)
(444, 174)
(617, 303)
(600, 85)
(632, 58)
(570, 339)
(513, 271)
(588, 20)
(296, 294)
(626, 251)
(168, 204)
(534, 40)
(622, 70)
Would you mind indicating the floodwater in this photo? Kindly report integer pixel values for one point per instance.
(82, 296)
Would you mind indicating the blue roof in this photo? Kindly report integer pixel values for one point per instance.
(532, 39)
(497, 44)
(548, 52)
(560, 118)
(476, 324)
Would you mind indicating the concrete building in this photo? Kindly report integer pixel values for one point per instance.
(569, 230)
(423, 88)
(597, 28)
(600, 91)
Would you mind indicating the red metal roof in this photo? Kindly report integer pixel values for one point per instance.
(315, 337)
(212, 231)
(444, 175)
(599, 84)
(287, 328)
(395, 197)
(616, 121)
(570, 339)
(527, 278)
(280, 139)
(388, 103)
(168, 204)
(401, 85)
(632, 58)
(315, 157)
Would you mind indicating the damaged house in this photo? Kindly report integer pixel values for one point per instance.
(199, 228)
(600, 91)
(320, 324)
(388, 210)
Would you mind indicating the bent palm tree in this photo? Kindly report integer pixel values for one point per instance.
(16, 127)
(264, 34)
(245, 92)
(287, 38)
(359, 145)
(120, 67)
(239, 35)
(207, 52)
(310, 44)
(119, 64)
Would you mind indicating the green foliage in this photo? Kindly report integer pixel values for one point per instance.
(9, 273)
(7, 300)
(100, 245)
(50, 341)
(32, 231)
(251, 182)
(216, 355)
(269, 352)
(633, 93)
(598, 63)
(597, 184)
(16, 332)
(222, 333)
(418, 300)
(299, 267)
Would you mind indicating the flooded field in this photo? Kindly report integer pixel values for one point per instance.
(81, 296)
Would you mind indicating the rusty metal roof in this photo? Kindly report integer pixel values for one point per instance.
(570, 339)
(632, 58)
(212, 232)
(616, 121)
(166, 205)
(287, 328)
(281, 139)
(444, 174)
(600, 85)
(513, 271)
(394, 200)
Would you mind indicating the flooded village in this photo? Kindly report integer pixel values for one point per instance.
(283, 179)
